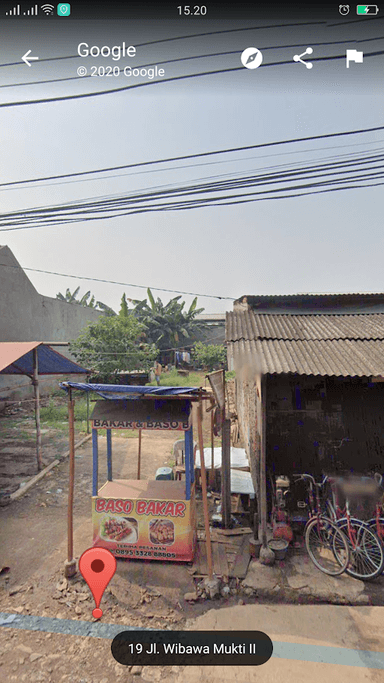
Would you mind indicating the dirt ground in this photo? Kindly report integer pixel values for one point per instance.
(141, 594)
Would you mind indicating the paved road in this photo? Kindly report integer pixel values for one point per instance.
(350, 628)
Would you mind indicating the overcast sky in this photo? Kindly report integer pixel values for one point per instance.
(326, 243)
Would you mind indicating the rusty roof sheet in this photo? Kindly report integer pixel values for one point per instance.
(347, 345)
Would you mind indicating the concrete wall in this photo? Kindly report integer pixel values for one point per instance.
(26, 315)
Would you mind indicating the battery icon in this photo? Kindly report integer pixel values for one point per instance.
(367, 9)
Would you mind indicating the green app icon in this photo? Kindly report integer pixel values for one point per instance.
(64, 9)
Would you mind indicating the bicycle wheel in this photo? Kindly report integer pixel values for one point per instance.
(366, 549)
(372, 523)
(327, 546)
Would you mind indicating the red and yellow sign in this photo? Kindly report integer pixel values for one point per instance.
(145, 527)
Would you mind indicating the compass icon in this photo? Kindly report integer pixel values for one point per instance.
(251, 58)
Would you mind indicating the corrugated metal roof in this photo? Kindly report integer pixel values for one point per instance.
(351, 345)
(249, 325)
(324, 295)
(315, 303)
(16, 358)
(342, 358)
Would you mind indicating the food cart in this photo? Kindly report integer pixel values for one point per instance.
(135, 518)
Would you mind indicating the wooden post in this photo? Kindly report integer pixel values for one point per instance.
(35, 383)
(212, 471)
(109, 454)
(70, 565)
(139, 456)
(95, 463)
(263, 464)
(88, 428)
(226, 474)
(204, 488)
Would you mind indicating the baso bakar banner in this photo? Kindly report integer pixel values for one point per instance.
(150, 424)
(153, 529)
(146, 414)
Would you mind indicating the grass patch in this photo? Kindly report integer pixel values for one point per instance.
(55, 414)
(173, 379)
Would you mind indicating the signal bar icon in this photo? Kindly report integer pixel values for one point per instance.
(33, 12)
(15, 12)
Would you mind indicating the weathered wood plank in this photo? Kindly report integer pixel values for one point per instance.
(223, 562)
(235, 532)
(242, 560)
(200, 565)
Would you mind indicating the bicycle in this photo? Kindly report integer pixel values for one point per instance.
(376, 523)
(366, 549)
(326, 544)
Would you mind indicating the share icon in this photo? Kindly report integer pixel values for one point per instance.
(297, 58)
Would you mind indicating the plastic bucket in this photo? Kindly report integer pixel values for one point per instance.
(279, 547)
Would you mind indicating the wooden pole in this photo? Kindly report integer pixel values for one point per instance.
(263, 463)
(35, 382)
(139, 456)
(70, 565)
(226, 511)
(88, 428)
(204, 488)
(212, 471)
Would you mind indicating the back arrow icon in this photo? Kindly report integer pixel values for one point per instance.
(26, 58)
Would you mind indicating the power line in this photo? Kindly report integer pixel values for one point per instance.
(100, 213)
(147, 193)
(113, 282)
(199, 155)
(215, 163)
(326, 174)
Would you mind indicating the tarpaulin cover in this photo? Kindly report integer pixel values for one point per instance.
(16, 358)
(239, 458)
(122, 391)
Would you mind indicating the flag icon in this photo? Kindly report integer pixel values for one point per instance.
(354, 56)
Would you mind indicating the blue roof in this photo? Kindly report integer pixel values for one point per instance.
(122, 391)
(17, 359)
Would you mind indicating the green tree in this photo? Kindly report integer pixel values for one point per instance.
(168, 325)
(124, 310)
(112, 345)
(87, 299)
(209, 356)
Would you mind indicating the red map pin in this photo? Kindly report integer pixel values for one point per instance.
(97, 566)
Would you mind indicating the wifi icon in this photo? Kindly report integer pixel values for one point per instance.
(47, 9)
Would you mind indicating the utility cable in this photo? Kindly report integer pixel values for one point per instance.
(199, 155)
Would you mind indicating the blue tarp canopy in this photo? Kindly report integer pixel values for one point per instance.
(16, 358)
(115, 392)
